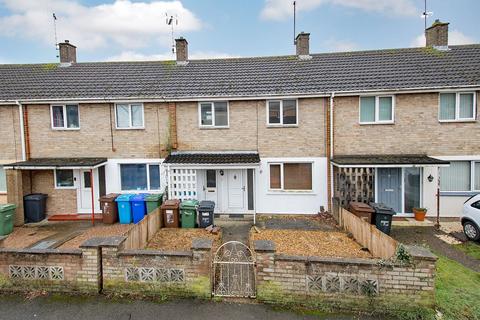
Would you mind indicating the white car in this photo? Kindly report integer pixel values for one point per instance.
(471, 218)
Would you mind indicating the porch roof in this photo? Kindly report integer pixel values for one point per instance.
(188, 158)
(387, 160)
(57, 163)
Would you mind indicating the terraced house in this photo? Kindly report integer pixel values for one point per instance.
(280, 135)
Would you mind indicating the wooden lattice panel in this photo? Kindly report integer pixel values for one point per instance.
(182, 184)
(354, 184)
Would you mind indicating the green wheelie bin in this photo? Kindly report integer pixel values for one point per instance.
(7, 211)
(153, 201)
(188, 212)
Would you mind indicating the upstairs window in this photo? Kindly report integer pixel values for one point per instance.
(65, 117)
(282, 113)
(129, 116)
(213, 114)
(457, 106)
(376, 109)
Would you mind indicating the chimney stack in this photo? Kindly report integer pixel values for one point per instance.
(181, 45)
(68, 52)
(437, 35)
(302, 43)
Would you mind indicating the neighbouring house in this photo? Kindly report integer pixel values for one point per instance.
(276, 135)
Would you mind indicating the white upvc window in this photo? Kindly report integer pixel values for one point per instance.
(64, 179)
(140, 176)
(129, 116)
(65, 116)
(3, 180)
(213, 114)
(282, 112)
(377, 109)
(460, 176)
(290, 176)
(457, 106)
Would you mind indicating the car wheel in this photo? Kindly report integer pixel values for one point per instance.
(471, 231)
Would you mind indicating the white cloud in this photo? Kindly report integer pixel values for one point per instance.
(136, 56)
(455, 37)
(341, 45)
(124, 23)
(281, 9)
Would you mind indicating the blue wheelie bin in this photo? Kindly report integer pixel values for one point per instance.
(139, 207)
(124, 208)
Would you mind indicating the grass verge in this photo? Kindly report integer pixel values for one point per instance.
(470, 248)
(457, 290)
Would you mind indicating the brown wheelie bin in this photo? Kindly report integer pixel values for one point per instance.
(170, 212)
(109, 208)
(362, 210)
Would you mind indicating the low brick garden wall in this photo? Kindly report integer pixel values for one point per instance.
(342, 283)
(50, 270)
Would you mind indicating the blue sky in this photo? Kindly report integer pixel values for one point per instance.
(136, 30)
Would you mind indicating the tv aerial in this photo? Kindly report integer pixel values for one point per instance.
(172, 21)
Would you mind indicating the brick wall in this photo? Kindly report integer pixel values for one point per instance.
(62, 201)
(51, 270)
(353, 284)
(10, 144)
(94, 139)
(248, 130)
(416, 129)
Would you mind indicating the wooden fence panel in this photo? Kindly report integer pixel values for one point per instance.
(377, 242)
(142, 232)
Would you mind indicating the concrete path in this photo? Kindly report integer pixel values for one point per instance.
(234, 230)
(79, 308)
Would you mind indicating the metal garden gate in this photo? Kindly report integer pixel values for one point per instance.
(234, 271)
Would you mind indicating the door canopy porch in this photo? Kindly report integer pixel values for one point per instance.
(389, 160)
(58, 163)
(213, 160)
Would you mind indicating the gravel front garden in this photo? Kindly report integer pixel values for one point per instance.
(180, 239)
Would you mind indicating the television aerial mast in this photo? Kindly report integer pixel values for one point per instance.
(172, 21)
(55, 32)
(425, 16)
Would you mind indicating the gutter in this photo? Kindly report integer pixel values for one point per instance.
(236, 98)
(22, 129)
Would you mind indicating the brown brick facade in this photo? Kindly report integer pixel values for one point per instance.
(416, 129)
(10, 143)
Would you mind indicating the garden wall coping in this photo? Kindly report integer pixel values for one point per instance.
(264, 246)
(156, 253)
(103, 242)
(421, 253)
(41, 251)
(202, 244)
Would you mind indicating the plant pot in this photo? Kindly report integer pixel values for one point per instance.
(419, 214)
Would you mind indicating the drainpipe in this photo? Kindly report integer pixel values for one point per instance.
(22, 129)
(330, 167)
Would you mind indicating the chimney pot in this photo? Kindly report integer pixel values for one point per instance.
(437, 34)
(181, 46)
(302, 43)
(68, 52)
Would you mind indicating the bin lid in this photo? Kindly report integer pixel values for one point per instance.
(189, 204)
(360, 207)
(124, 197)
(206, 205)
(138, 197)
(382, 208)
(109, 197)
(154, 197)
(171, 204)
(7, 207)
(35, 196)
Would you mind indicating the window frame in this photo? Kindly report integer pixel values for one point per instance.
(130, 123)
(2, 167)
(281, 124)
(282, 188)
(471, 176)
(74, 186)
(213, 125)
(377, 108)
(65, 121)
(147, 168)
(457, 107)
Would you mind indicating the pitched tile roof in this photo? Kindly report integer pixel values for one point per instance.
(387, 159)
(213, 158)
(261, 76)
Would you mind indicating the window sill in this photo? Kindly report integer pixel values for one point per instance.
(282, 126)
(65, 188)
(458, 121)
(292, 192)
(458, 193)
(376, 123)
(66, 129)
(134, 128)
(214, 128)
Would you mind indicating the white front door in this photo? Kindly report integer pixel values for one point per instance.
(236, 190)
(211, 187)
(85, 192)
